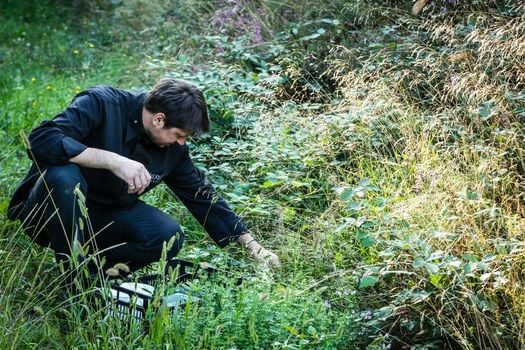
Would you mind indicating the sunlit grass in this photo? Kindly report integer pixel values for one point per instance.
(385, 168)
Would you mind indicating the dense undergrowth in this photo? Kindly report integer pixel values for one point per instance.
(376, 146)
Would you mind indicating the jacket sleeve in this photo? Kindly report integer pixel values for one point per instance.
(56, 141)
(193, 189)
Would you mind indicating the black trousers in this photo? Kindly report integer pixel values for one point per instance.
(55, 215)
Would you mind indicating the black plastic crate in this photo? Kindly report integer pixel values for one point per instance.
(131, 300)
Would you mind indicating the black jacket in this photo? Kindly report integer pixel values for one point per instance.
(111, 119)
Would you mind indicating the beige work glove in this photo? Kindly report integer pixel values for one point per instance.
(258, 252)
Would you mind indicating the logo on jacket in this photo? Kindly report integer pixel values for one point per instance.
(156, 178)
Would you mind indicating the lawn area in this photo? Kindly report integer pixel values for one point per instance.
(375, 146)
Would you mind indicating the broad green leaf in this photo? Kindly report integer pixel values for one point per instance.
(485, 276)
(435, 280)
(418, 262)
(312, 331)
(432, 268)
(317, 34)
(368, 281)
(365, 239)
(293, 331)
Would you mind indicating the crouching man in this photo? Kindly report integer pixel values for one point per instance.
(94, 160)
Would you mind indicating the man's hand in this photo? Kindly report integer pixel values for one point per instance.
(258, 252)
(133, 173)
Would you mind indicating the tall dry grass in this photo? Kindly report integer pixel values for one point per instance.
(450, 114)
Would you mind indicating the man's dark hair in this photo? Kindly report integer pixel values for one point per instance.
(182, 103)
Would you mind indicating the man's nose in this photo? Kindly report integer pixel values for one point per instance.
(181, 141)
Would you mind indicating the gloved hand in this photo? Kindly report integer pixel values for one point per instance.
(258, 252)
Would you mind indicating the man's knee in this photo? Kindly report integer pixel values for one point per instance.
(64, 178)
(174, 243)
(169, 236)
(171, 241)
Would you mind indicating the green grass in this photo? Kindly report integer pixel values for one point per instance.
(377, 152)
(45, 63)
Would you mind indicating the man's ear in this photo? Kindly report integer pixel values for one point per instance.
(158, 120)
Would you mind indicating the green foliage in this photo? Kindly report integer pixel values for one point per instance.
(378, 152)
(254, 315)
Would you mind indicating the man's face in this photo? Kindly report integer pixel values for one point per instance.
(168, 136)
(162, 136)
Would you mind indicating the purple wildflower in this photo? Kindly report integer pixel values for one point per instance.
(454, 78)
(232, 18)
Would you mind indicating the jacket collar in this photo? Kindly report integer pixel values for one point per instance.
(134, 126)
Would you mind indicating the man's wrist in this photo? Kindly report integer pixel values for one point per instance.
(257, 251)
(245, 237)
(98, 158)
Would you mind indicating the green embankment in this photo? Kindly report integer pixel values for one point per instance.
(377, 148)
